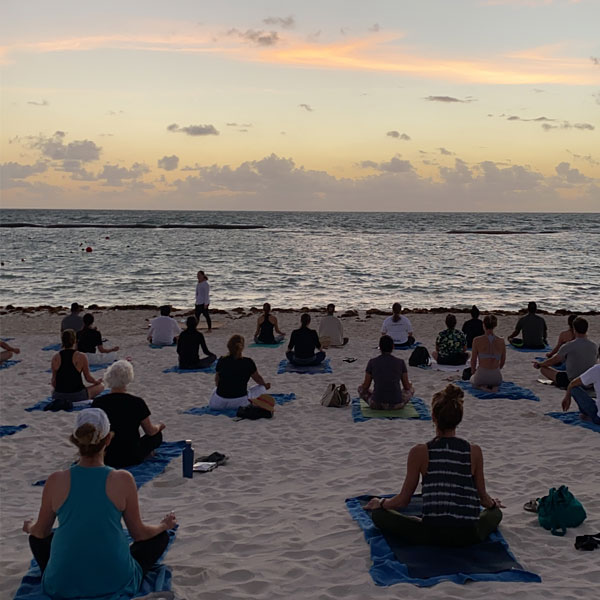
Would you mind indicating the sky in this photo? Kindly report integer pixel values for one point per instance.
(396, 105)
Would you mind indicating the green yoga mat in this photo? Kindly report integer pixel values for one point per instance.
(408, 412)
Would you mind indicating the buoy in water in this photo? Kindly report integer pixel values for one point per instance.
(88, 249)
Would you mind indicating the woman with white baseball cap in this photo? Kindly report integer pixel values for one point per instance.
(88, 555)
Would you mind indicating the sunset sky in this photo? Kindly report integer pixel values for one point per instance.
(443, 105)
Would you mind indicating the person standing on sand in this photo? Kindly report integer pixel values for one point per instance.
(203, 299)
(535, 331)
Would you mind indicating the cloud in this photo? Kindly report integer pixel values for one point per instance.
(567, 125)
(565, 171)
(587, 158)
(259, 38)
(284, 22)
(595, 60)
(168, 163)
(538, 119)
(42, 103)
(394, 165)
(193, 130)
(448, 99)
(374, 51)
(374, 28)
(398, 135)
(245, 125)
(115, 113)
(114, 174)
(445, 152)
(12, 174)
(306, 107)
(54, 147)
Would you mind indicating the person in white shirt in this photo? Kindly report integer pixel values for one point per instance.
(589, 407)
(398, 327)
(203, 299)
(164, 330)
(331, 330)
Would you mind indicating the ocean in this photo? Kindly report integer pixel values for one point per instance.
(295, 259)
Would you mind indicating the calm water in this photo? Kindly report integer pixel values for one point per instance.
(357, 260)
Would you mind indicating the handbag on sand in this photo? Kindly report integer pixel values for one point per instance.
(559, 510)
(335, 396)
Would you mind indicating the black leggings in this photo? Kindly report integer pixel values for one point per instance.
(201, 363)
(202, 309)
(146, 553)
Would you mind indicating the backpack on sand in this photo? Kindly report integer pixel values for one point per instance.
(419, 357)
(559, 510)
(335, 396)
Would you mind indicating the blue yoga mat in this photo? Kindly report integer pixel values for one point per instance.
(558, 367)
(55, 347)
(426, 566)
(261, 345)
(158, 579)
(176, 369)
(10, 429)
(546, 349)
(159, 346)
(8, 363)
(232, 412)
(7, 339)
(404, 347)
(507, 389)
(287, 367)
(419, 405)
(151, 467)
(572, 418)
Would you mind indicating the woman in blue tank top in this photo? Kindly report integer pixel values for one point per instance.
(451, 471)
(88, 555)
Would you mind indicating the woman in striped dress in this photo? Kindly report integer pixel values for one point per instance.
(451, 471)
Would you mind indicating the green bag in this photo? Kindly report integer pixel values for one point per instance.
(559, 510)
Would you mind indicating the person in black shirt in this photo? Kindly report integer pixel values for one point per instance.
(303, 343)
(127, 413)
(265, 325)
(233, 373)
(473, 327)
(89, 339)
(188, 344)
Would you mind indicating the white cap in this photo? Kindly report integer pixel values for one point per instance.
(96, 417)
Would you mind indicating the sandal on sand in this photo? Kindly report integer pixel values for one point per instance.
(587, 542)
(215, 457)
(531, 506)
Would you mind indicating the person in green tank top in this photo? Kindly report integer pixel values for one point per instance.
(88, 555)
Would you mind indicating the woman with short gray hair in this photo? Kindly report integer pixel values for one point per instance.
(127, 413)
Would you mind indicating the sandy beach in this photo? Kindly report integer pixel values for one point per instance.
(272, 522)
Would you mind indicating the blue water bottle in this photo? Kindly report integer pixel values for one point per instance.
(188, 459)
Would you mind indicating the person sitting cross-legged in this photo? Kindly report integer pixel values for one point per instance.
(451, 472)
(127, 413)
(303, 343)
(88, 555)
(188, 347)
(392, 388)
(267, 328)
(451, 345)
(589, 408)
(578, 355)
(8, 351)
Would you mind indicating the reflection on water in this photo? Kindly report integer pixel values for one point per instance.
(354, 259)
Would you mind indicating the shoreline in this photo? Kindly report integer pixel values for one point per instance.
(241, 311)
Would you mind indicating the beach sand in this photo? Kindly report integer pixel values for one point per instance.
(272, 522)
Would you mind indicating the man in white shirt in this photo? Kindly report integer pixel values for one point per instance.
(589, 407)
(331, 330)
(203, 299)
(164, 330)
(398, 327)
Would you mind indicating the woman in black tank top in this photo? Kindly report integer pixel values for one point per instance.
(67, 368)
(264, 328)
